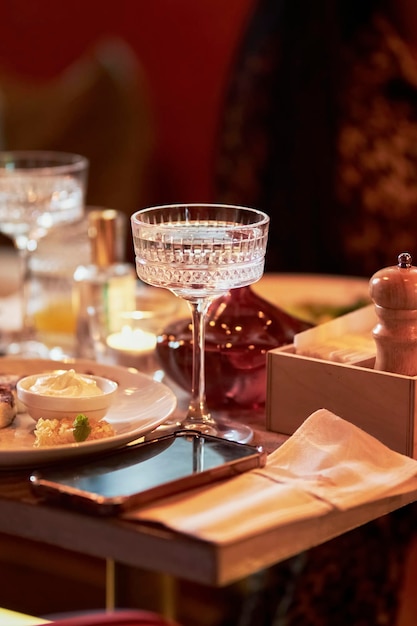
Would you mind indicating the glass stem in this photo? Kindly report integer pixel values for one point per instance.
(197, 409)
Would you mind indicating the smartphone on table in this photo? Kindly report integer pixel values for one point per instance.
(138, 474)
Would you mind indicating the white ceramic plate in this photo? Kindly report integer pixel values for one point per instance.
(306, 294)
(141, 405)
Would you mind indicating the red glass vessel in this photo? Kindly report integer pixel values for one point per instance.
(241, 327)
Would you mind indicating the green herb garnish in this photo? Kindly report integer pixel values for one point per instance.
(81, 427)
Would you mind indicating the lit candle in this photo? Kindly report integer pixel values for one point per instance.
(134, 341)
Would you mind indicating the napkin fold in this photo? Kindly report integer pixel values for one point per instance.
(328, 463)
(338, 462)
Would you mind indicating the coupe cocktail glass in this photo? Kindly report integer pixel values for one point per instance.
(200, 252)
(39, 190)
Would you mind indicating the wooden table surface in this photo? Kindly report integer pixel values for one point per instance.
(158, 549)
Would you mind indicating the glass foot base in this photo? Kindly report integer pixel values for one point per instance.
(224, 428)
(233, 431)
(27, 349)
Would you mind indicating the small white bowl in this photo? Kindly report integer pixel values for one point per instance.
(40, 404)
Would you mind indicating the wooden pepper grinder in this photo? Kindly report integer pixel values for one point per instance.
(394, 292)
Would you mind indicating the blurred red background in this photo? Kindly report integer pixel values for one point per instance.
(185, 48)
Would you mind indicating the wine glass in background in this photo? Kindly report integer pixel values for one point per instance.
(39, 191)
(200, 252)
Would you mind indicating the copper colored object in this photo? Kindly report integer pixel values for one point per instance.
(394, 292)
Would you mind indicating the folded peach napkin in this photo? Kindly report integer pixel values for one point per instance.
(328, 463)
(338, 462)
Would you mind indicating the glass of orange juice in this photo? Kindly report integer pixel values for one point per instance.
(53, 265)
(53, 312)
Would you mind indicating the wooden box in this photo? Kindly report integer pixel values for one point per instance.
(381, 403)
